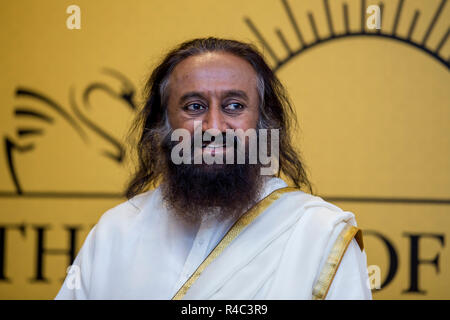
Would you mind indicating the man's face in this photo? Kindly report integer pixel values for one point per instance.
(218, 89)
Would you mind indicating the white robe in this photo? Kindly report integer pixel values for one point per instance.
(138, 250)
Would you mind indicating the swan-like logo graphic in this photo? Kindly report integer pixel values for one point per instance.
(40, 113)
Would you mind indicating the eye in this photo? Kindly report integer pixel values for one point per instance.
(234, 106)
(194, 107)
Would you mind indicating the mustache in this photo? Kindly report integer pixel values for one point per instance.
(211, 147)
(208, 140)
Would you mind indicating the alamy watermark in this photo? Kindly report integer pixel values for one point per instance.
(374, 280)
(73, 279)
(210, 147)
(374, 19)
(74, 20)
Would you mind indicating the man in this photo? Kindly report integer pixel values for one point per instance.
(218, 230)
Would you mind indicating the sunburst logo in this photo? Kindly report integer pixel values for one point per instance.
(335, 34)
(356, 88)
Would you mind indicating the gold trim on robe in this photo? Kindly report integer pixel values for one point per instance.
(328, 272)
(234, 231)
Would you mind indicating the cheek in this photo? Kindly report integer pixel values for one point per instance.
(177, 121)
(174, 116)
(246, 121)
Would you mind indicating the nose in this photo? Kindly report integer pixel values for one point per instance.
(214, 119)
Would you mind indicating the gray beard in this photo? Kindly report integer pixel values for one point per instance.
(195, 191)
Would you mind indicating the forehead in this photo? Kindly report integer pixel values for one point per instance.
(213, 71)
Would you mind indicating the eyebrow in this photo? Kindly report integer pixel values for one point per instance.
(235, 93)
(227, 94)
(192, 94)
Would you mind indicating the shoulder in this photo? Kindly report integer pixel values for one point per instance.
(321, 221)
(319, 212)
(331, 223)
(125, 213)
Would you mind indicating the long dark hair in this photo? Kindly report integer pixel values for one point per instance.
(276, 112)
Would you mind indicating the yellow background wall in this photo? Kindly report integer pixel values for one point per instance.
(373, 109)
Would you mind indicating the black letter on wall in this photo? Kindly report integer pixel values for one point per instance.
(41, 250)
(415, 261)
(3, 230)
(393, 257)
